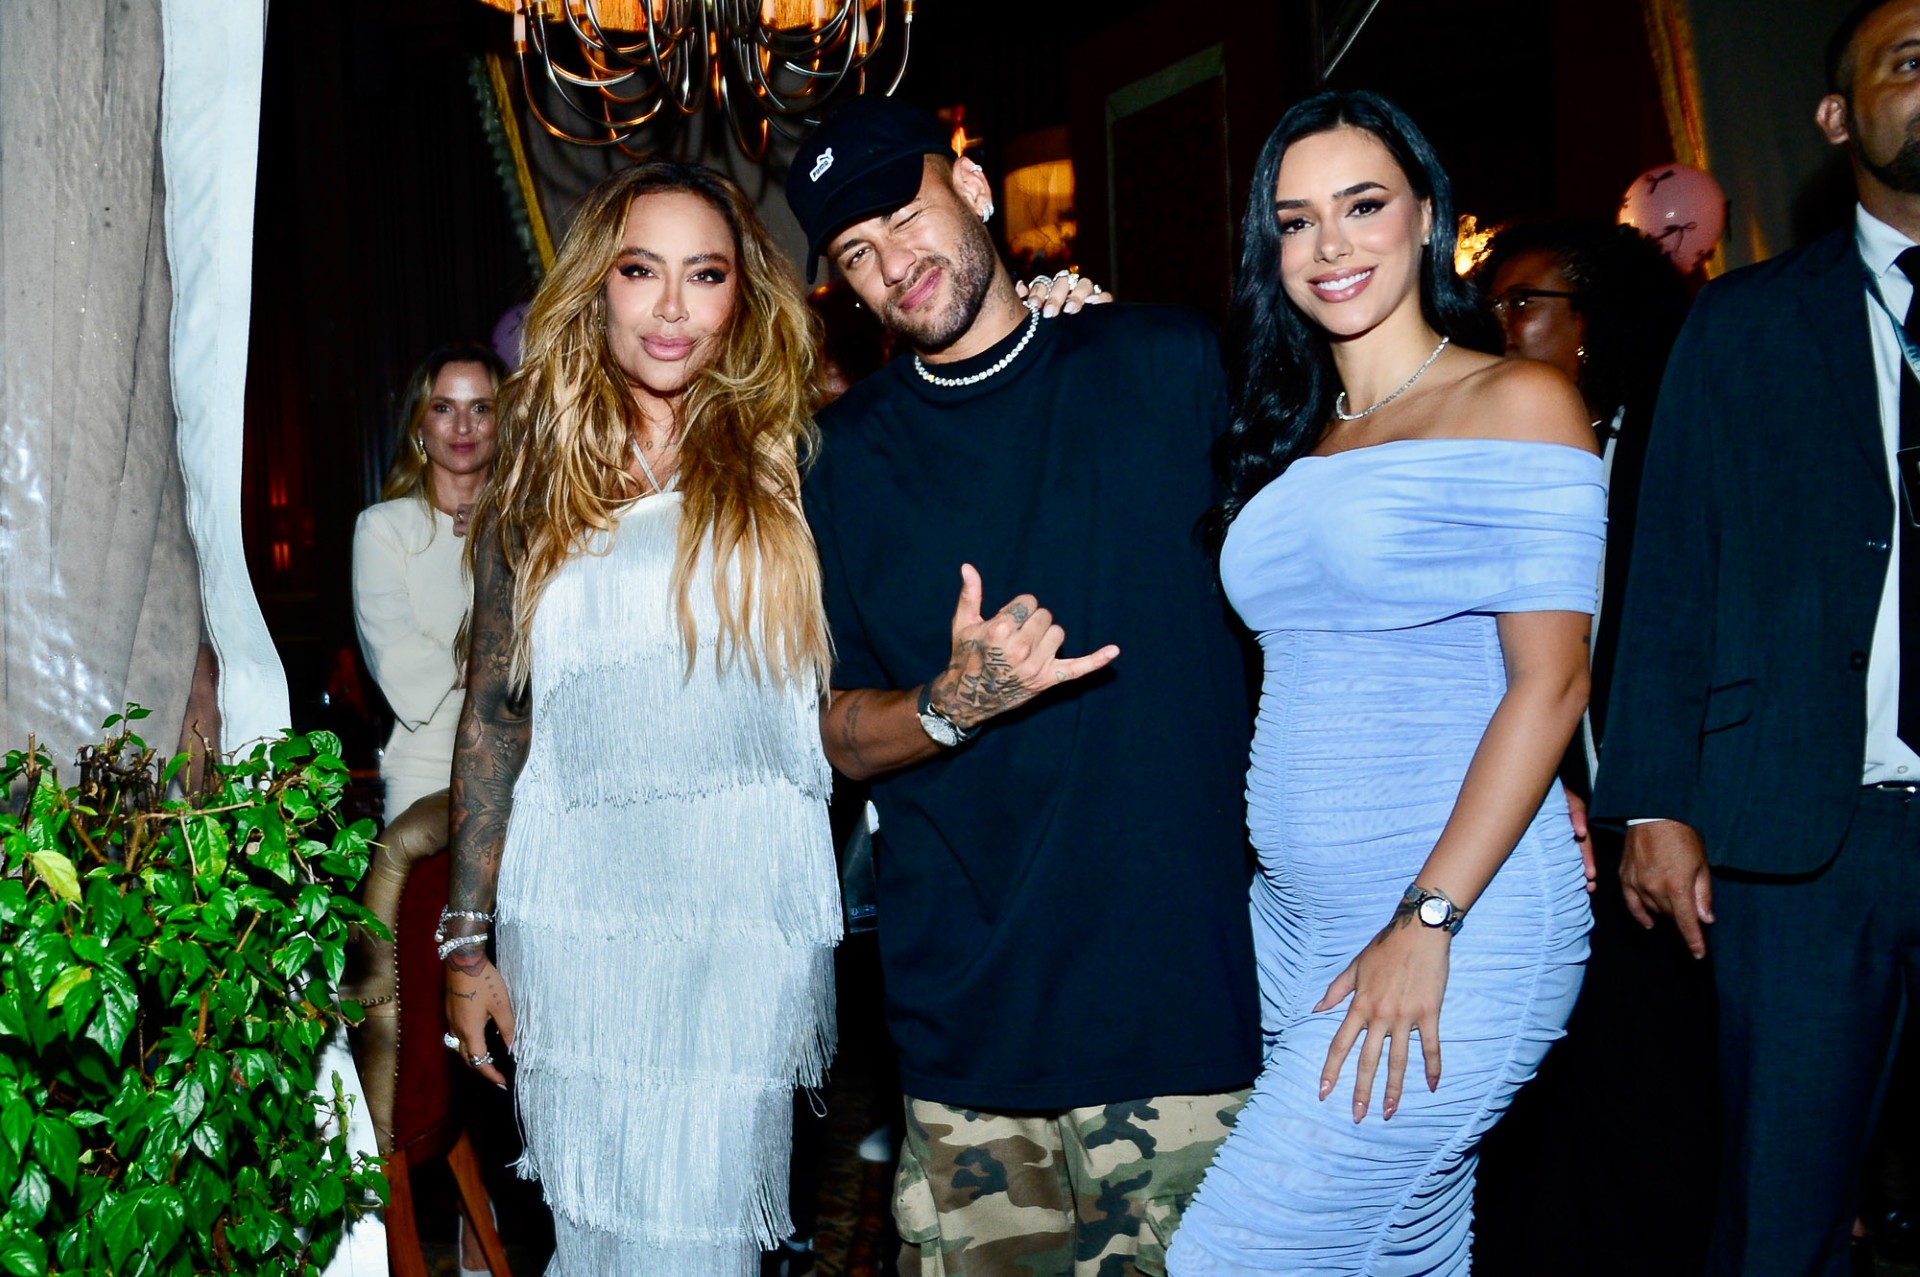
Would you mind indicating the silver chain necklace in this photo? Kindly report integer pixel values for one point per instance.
(1340, 400)
(1033, 326)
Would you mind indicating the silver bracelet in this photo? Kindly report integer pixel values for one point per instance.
(461, 942)
(440, 928)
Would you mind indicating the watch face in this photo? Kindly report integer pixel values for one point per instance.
(1433, 911)
(938, 728)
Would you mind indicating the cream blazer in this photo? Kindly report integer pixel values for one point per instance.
(410, 593)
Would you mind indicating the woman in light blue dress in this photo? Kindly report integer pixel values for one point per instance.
(1413, 529)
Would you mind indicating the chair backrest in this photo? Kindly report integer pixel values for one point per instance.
(401, 984)
(425, 1123)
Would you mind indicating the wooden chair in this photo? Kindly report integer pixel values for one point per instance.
(408, 1072)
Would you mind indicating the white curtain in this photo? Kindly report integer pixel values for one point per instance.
(210, 133)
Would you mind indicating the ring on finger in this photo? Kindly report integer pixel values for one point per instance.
(480, 1061)
(449, 1041)
(1040, 284)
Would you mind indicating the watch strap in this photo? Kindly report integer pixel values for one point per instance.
(1417, 895)
(938, 724)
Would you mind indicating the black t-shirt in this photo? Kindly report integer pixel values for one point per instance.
(1063, 900)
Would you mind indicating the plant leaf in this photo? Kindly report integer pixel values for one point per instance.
(189, 1101)
(65, 984)
(31, 1196)
(207, 842)
(16, 1124)
(57, 1147)
(161, 1215)
(120, 1229)
(79, 1005)
(23, 1254)
(118, 1006)
(57, 871)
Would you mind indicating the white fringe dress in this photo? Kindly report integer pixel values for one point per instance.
(667, 909)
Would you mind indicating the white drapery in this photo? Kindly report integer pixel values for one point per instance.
(210, 134)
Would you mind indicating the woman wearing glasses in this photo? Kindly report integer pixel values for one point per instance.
(1603, 304)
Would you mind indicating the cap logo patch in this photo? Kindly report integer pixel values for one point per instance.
(821, 165)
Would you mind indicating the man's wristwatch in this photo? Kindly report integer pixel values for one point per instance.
(1432, 909)
(944, 730)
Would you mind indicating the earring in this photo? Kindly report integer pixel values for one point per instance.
(420, 445)
(986, 215)
(1580, 353)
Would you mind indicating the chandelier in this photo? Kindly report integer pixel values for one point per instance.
(617, 67)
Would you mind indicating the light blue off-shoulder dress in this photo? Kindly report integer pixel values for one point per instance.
(1373, 578)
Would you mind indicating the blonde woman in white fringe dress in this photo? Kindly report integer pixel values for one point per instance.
(639, 800)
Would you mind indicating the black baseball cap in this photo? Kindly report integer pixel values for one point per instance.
(863, 160)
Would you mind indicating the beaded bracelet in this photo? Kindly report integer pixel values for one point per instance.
(460, 942)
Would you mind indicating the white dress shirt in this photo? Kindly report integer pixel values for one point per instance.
(1888, 758)
(1600, 595)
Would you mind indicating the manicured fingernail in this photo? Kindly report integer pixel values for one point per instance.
(1050, 310)
(1326, 1087)
(1388, 1109)
(1359, 1110)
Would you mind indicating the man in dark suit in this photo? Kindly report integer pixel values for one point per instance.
(1764, 727)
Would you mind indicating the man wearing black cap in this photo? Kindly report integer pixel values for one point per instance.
(1061, 866)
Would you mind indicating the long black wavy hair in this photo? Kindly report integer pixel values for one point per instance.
(1279, 361)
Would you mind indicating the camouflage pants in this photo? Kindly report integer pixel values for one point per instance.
(1091, 1192)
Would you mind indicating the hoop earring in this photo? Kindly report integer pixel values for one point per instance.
(986, 214)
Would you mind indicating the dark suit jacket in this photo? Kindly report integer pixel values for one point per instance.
(1739, 694)
(1623, 503)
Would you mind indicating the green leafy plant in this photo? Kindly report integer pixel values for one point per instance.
(165, 975)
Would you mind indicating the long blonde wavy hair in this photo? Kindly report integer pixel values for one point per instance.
(567, 420)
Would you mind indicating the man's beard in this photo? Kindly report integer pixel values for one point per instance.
(969, 276)
(1901, 173)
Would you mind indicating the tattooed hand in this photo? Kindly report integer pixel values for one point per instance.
(1004, 660)
(476, 994)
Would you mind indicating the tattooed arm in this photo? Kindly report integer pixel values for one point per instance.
(997, 663)
(495, 727)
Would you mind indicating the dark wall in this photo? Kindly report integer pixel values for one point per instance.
(381, 230)
(1538, 109)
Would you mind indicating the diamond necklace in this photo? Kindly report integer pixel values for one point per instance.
(1033, 326)
(1340, 400)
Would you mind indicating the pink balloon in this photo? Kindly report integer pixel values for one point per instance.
(1679, 208)
(506, 334)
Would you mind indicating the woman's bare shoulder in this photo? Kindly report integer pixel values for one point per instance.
(1525, 400)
